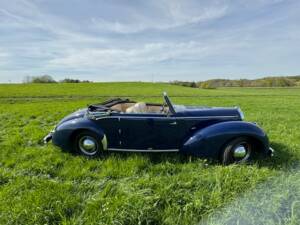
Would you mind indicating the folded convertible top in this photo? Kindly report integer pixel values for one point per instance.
(104, 106)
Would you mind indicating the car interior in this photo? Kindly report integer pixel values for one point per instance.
(140, 107)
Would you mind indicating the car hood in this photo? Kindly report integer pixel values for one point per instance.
(192, 111)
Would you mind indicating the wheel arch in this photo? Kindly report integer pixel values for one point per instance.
(258, 144)
(209, 141)
(66, 132)
(103, 139)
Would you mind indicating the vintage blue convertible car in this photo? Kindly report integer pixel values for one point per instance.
(125, 125)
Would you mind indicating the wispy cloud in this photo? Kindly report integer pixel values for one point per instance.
(150, 53)
(3, 57)
(172, 14)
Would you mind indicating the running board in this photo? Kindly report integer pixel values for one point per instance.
(142, 150)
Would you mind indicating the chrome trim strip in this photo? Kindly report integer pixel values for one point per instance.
(204, 117)
(177, 118)
(142, 150)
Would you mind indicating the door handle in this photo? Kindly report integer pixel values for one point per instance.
(173, 123)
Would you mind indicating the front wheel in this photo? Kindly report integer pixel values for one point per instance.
(239, 150)
(88, 143)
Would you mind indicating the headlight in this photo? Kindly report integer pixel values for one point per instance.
(241, 113)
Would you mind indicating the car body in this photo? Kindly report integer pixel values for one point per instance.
(125, 125)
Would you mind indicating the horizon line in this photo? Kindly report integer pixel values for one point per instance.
(155, 81)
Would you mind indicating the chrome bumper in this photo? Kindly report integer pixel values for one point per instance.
(271, 152)
(48, 138)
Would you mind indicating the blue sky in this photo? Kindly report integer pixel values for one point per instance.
(149, 40)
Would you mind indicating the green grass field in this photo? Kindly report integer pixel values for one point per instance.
(42, 185)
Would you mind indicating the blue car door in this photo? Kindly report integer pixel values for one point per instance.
(169, 133)
(150, 132)
(137, 132)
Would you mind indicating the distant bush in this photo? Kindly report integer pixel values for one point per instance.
(277, 82)
(49, 79)
(39, 79)
(207, 85)
(185, 83)
(68, 80)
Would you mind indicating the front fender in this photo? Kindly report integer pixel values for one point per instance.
(65, 131)
(209, 141)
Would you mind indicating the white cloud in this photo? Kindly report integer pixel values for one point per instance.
(172, 14)
(147, 54)
(117, 57)
(3, 54)
(260, 3)
(4, 57)
(26, 16)
(182, 13)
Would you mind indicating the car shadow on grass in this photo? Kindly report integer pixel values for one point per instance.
(155, 158)
(283, 157)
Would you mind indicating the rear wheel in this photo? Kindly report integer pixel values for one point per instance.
(239, 150)
(88, 143)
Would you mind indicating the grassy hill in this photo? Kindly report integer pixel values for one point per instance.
(43, 185)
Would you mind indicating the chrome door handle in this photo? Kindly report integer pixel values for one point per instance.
(173, 123)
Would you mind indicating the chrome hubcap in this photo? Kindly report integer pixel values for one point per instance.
(88, 145)
(240, 152)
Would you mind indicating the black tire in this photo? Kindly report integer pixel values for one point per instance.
(85, 139)
(238, 150)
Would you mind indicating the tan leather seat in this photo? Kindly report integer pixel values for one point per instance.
(139, 107)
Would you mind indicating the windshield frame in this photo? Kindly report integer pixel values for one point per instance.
(169, 103)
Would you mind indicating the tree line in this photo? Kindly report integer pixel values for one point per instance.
(288, 81)
(49, 79)
(284, 81)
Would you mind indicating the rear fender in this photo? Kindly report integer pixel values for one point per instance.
(209, 142)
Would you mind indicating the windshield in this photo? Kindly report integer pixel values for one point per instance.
(179, 108)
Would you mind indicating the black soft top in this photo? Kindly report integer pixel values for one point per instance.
(104, 106)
